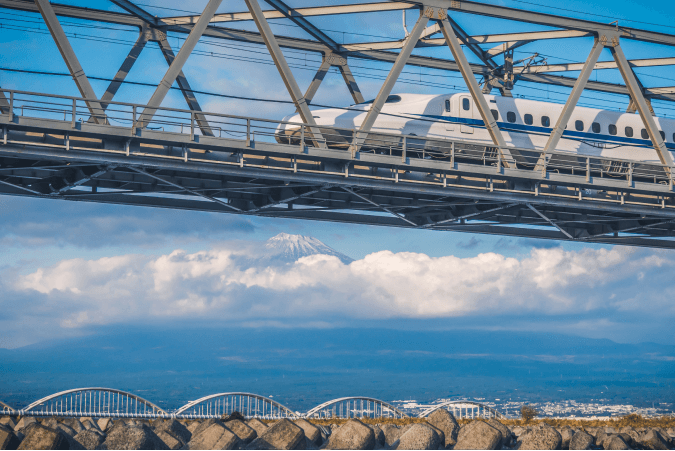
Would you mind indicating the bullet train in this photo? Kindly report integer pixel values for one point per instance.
(524, 124)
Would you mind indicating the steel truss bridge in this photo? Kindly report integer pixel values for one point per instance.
(98, 150)
(110, 403)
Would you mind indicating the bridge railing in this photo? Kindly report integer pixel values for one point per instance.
(252, 130)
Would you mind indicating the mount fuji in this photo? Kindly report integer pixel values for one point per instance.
(286, 248)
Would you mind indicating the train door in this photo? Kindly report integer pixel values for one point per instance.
(448, 114)
(466, 112)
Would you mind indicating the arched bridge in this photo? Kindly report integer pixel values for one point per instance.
(5, 408)
(355, 407)
(95, 401)
(107, 402)
(248, 404)
(464, 410)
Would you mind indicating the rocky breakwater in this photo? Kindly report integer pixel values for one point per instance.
(439, 431)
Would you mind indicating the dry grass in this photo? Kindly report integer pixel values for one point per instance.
(635, 421)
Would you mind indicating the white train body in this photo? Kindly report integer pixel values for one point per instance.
(524, 124)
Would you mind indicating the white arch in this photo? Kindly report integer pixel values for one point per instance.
(265, 399)
(430, 410)
(4, 407)
(94, 389)
(350, 398)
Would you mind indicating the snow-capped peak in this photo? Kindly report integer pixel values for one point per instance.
(293, 247)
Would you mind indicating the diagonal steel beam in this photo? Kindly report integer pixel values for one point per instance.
(84, 180)
(571, 103)
(285, 71)
(23, 188)
(636, 94)
(69, 57)
(476, 92)
(464, 37)
(178, 63)
(467, 216)
(176, 185)
(290, 199)
(390, 81)
(631, 229)
(124, 69)
(305, 24)
(348, 77)
(388, 210)
(546, 218)
(4, 103)
(330, 60)
(185, 88)
(318, 78)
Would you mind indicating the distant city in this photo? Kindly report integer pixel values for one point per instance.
(597, 408)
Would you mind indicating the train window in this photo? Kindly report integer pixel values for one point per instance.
(545, 121)
(466, 104)
(528, 119)
(595, 126)
(644, 134)
(511, 116)
(612, 129)
(579, 126)
(629, 132)
(673, 137)
(447, 105)
(663, 135)
(495, 114)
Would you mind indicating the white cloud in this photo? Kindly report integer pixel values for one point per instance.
(215, 285)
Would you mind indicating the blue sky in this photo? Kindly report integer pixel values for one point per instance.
(63, 266)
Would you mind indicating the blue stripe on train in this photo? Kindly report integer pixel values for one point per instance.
(508, 126)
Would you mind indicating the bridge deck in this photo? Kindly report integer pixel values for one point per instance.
(50, 150)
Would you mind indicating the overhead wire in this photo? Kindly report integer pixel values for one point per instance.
(249, 49)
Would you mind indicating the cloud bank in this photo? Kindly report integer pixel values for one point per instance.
(223, 285)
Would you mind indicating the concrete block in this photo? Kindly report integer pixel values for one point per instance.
(135, 436)
(281, 435)
(215, 436)
(581, 440)
(8, 439)
(169, 439)
(506, 432)
(419, 436)
(24, 422)
(391, 433)
(40, 437)
(174, 427)
(541, 436)
(478, 435)
(312, 432)
(90, 438)
(652, 439)
(614, 441)
(74, 424)
(245, 433)
(104, 423)
(566, 433)
(258, 426)
(352, 435)
(446, 422)
(8, 421)
(379, 435)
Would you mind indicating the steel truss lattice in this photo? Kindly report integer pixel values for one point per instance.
(62, 147)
